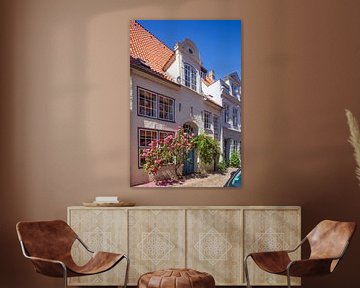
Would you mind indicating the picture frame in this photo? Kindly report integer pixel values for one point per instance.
(185, 120)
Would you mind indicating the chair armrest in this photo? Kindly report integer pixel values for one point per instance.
(267, 253)
(45, 260)
(309, 267)
(271, 261)
(83, 244)
(298, 246)
(279, 251)
(48, 267)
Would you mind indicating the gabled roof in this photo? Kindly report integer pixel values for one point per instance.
(209, 100)
(234, 76)
(142, 66)
(147, 47)
(206, 81)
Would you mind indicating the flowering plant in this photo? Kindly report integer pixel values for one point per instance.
(154, 157)
(172, 149)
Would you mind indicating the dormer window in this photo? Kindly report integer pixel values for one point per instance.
(143, 63)
(190, 51)
(203, 73)
(234, 90)
(190, 76)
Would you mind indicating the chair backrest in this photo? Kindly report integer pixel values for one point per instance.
(46, 239)
(329, 239)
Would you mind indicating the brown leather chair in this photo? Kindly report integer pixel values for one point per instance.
(48, 245)
(328, 242)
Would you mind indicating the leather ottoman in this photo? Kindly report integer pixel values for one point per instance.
(176, 278)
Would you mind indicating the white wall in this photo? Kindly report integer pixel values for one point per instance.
(183, 95)
(213, 90)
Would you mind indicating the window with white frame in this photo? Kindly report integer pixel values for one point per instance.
(235, 117)
(164, 134)
(151, 104)
(235, 146)
(234, 90)
(190, 76)
(166, 108)
(188, 129)
(226, 113)
(216, 128)
(146, 103)
(207, 120)
(146, 136)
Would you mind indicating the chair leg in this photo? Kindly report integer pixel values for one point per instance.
(246, 270)
(65, 276)
(288, 278)
(127, 271)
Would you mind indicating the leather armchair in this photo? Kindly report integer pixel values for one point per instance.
(328, 242)
(48, 245)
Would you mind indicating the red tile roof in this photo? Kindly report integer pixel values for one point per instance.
(141, 65)
(148, 48)
(207, 81)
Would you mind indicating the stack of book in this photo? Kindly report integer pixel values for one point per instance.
(106, 199)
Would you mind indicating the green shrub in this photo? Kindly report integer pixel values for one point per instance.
(234, 160)
(208, 149)
(222, 167)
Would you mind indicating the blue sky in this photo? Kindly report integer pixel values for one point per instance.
(218, 41)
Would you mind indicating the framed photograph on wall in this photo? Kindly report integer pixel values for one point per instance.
(185, 103)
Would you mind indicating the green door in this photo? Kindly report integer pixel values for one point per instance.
(189, 165)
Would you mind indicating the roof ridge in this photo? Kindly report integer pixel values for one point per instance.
(136, 21)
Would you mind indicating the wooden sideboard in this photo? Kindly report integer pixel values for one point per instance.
(212, 239)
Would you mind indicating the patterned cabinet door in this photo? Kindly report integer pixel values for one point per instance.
(101, 230)
(271, 230)
(214, 244)
(156, 240)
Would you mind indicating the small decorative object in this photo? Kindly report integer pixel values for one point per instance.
(354, 140)
(120, 204)
(108, 201)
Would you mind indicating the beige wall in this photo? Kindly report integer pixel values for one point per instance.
(65, 113)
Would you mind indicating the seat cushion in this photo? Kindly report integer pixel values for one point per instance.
(98, 263)
(176, 278)
(272, 262)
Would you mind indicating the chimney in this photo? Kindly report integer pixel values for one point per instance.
(211, 75)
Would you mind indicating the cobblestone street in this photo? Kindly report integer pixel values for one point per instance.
(211, 180)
